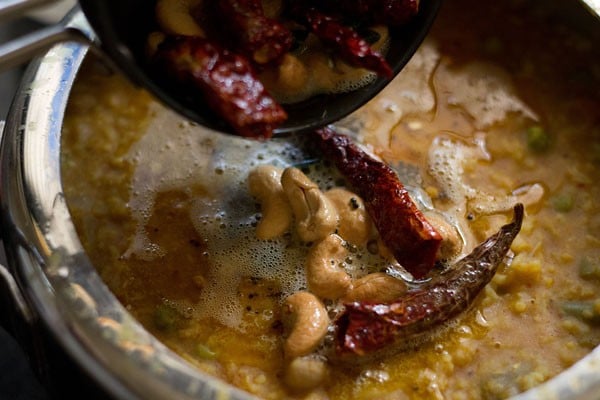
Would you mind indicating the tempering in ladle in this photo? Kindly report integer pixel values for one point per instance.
(124, 28)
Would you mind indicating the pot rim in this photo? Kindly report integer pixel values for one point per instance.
(49, 263)
(63, 288)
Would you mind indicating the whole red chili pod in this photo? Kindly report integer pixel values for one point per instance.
(343, 40)
(263, 40)
(413, 241)
(226, 80)
(366, 327)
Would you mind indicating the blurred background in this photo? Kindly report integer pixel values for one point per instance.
(17, 381)
(9, 79)
(16, 27)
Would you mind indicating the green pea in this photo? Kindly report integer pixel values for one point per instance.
(165, 318)
(589, 268)
(538, 140)
(563, 202)
(586, 310)
(204, 352)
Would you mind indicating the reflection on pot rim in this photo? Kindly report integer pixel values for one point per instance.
(65, 286)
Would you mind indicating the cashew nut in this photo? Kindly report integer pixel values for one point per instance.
(355, 225)
(376, 287)
(292, 75)
(176, 17)
(315, 216)
(264, 183)
(308, 321)
(452, 242)
(325, 276)
(305, 373)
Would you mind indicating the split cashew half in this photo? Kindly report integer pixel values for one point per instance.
(176, 17)
(324, 272)
(355, 224)
(452, 241)
(377, 287)
(315, 216)
(264, 183)
(307, 320)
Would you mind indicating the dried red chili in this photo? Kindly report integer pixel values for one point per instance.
(227, 82)
(230, 86)
(343, 40)
(263, 40)
(367, 327)
(402, 227)
(386, 12)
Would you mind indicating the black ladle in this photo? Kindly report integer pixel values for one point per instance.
(122, 27)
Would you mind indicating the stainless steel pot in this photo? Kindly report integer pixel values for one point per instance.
(55, 284)
(55, 288)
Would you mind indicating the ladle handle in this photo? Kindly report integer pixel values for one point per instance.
(24, 48)
(9, 8)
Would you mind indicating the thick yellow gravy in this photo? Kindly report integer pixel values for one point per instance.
(501, 104)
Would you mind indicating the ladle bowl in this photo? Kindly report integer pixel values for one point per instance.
(122, 28)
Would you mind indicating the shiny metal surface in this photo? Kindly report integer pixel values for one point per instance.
(15, 7)
(48, 262)
(58, 281)
(24, 48)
